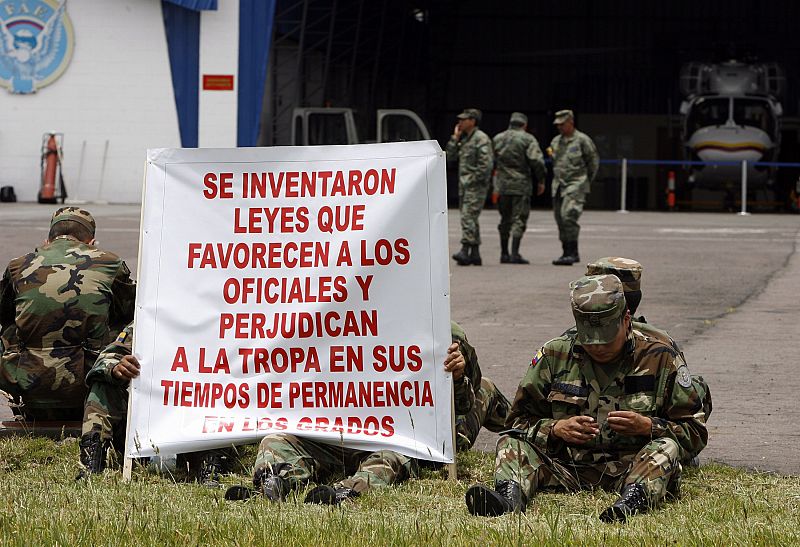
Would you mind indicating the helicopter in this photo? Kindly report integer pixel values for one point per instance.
(731, 113)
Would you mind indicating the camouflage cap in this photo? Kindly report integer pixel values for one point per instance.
(76, 214)
(473, 113)
(598, 305)
(627, 270)
(518, 118)
(562, 116)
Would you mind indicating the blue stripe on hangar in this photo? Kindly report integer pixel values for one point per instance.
(182, 26)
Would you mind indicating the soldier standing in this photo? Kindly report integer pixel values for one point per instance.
(473, 149)
(575, 164)
(606, 407)
(518, 159)
(59, 306)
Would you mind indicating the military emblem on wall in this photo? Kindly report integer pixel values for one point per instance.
(36, 43)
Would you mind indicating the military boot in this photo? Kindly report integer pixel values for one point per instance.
(268, 481)
(212, 466)
(505, 258)
(475, 255)
(567, 257)
(573, 248)
(516, 258)
(632, 500)
(93, 454)
(329, 495)
(507, 497)
(462, 256)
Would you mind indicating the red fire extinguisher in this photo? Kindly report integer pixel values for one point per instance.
(51, 169)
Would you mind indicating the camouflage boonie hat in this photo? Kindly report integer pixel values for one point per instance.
(598, 304)
(627, 270)
(518, 118)
(81, 216)
(473, 113)
(562, 116)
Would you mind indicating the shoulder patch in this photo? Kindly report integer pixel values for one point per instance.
(537, 358)
(122, 337)
(683, 377)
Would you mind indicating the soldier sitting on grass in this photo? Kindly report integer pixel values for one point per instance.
(606, 407)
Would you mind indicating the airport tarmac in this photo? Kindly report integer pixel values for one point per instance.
(722, 284)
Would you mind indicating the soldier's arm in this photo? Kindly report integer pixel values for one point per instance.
(531, 411)
(110, 357)
(536, 161)
(468, 385)
(682, 417)
(451, 148)
(591, 157)
(7, 306)
(485, 161)
(123, 294)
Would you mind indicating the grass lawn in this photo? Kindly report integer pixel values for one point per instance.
(40, 503)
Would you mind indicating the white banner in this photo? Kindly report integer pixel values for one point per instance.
(302, 290)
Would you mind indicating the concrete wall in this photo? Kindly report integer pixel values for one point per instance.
(113, 102)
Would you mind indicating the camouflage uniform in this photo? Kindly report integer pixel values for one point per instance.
(59, 306)
(488, 407)
(629, 271)
(474, 154)
(518, 160)
(106, 407)
(575, 164)
(106, 411)
(300, 461)
(649, 378)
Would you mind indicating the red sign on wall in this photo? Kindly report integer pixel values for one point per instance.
(217, 82)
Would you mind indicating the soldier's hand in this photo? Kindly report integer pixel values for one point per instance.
(577, 429)
(457, 131)
(126, 369)
(540, 189)
(454, 363)
(626, 422)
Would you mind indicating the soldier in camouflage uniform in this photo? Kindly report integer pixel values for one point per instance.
(518, 158)
(607, 407)
(473, 150)
(106, 411)
(286, 462)
(629, 271)
(575, 164)
(59, 306)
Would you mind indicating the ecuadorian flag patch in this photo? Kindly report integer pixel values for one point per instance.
(121, 338)
(537, 358)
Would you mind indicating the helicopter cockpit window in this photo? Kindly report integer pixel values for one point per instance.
(754, 113)
(327, 129)
(708, 112)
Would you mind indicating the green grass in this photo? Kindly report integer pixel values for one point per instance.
(40, 503)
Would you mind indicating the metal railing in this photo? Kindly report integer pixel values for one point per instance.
(625, 162)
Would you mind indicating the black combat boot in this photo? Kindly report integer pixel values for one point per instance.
(565, 259)
(212, 466)
(505, 258)
(632, 500)
(574, 251)
(475, 255)
(93, 454)
(462, 256)
(268, 481)
(329, 495)
(516, 258)
(507, 497)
